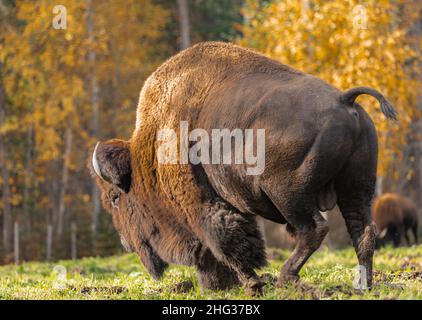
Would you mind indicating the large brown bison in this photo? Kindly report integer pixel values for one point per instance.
(320, 149)
(394, 216)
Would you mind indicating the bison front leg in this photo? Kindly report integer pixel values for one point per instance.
(214, 275)
(234, 240)
(309, 236)
(149, 258)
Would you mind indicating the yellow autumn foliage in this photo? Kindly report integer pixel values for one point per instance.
(47, 72)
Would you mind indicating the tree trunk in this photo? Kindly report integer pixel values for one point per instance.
(7, 210)
(184, 23)
(28, 181)
(414, 187)
(419, 167)
(49, 243)
(28, 249)
(95, 123)
(16, 244)
(73, 240)
(64, 181)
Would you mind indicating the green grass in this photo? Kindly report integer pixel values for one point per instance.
(328, 275)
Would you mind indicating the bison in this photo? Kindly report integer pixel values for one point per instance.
(394, 216)
(320, 149)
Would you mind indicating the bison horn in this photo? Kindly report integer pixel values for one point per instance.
(383, 233)
(95, 163)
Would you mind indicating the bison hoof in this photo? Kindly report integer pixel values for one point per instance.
(288, 279)
(254, 288)
(182, 287)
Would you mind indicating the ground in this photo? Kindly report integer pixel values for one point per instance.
(328, 275)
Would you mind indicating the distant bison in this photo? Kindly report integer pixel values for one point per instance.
(320, 149)
(394, 216)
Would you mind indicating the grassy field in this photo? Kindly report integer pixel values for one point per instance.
(328, 275)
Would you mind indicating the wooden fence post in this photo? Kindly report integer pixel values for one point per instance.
(49, 241)
(16, 241)
(73, 239)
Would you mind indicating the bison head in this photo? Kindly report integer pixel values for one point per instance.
(110, 166)
(111, 163)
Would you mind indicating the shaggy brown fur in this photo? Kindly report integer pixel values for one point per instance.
(394, 216)
(321, 148)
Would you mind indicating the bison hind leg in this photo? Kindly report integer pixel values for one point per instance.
(309, 236)
(406, 237)
(291, 230)
(415, 232)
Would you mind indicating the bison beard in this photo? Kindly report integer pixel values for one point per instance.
(320, 150)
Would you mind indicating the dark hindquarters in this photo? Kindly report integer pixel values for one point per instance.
(301, 195)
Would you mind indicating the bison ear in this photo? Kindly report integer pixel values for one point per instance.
(111, 162)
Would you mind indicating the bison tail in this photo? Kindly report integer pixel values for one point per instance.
(387, 109)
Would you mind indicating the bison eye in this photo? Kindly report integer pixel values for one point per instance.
(115, 200)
